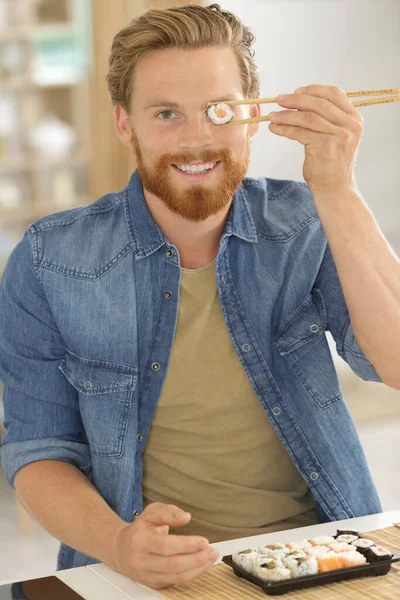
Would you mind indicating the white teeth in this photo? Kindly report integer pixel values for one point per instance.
(196, 168)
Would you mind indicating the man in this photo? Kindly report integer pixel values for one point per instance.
(164, 348)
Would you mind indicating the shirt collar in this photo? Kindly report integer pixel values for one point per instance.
(148, 237)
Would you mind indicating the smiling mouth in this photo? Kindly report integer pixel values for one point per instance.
(199, 172)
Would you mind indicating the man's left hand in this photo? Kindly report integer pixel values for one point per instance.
(329, 127)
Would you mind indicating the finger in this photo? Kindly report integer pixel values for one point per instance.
(303, 136)
(168, 545)
(333, 94)
(299, 118)
(159, 581)
(179, 563)
(320, 106)
(164, 514)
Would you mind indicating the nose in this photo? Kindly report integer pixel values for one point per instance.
(196, 132)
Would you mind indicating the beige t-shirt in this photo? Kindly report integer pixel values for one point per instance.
(212, 450)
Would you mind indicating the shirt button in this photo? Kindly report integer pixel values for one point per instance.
(155, 366)
(135, 514)
(314, 476)
(169, 253)
(223, 280)
(139, 437)
(276, 411)
(87, 385)
(245, 347)
(314, 328)
(168, 295)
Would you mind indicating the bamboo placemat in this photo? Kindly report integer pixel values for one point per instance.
(220, 582)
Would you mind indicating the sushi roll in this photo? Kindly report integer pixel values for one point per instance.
(347, 537)
(322, 540)
(340, 547)
(376, 553)
(274, 550)
(300, 564)
(319, 551)
(245, 559)
(330, 561)
(301, 545)
(352, 559)
(220, 113)
(362, 545)
(347, 532)
(271, 569)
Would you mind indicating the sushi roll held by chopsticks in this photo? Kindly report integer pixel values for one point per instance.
(220, 113)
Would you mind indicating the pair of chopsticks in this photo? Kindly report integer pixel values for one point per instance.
(393, 98)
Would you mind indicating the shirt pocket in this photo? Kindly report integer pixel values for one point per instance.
(302, 342)
(105, 392)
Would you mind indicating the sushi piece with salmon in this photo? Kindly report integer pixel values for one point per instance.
(220, 113)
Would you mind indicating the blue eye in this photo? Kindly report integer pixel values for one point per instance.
(166, 112)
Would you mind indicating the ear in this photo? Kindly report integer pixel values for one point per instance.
(255, 112)
(122, 125)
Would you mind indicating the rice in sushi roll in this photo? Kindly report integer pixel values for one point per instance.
(352, 559)
(271, 569)
(322, 540)
(245, 559)
(340, 547)
(274, 550)
(301, 545)
(300, 564)
(220, 113)
(347, 537)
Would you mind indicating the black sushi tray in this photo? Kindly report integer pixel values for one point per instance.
(276, 588)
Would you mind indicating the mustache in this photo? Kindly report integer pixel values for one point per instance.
(207, 156)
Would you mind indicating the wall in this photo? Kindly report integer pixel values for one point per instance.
(351, 44)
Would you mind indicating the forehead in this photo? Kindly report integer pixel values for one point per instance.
(186, 73)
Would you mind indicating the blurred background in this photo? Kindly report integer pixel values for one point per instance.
(58, 149)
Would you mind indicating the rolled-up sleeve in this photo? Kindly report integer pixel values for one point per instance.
(339, 323)
(41, 409)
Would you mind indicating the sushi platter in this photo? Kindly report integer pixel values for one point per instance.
(280, 568)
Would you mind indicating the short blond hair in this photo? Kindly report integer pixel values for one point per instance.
(190, 26)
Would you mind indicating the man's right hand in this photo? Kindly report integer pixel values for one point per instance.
(146, 552)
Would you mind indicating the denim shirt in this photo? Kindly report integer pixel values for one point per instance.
(89, 304)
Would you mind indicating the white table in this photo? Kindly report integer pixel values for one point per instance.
(99, 582)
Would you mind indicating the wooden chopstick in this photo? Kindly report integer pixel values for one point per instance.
(273, 100)
(395, 98)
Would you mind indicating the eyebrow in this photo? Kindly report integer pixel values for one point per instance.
(169, 104)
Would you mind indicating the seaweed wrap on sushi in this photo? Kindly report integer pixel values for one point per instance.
(362, 545)
(220, 113)
(347, 532)
(377, 553)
